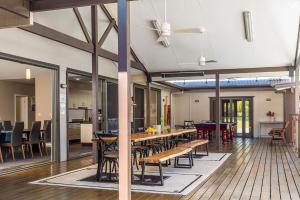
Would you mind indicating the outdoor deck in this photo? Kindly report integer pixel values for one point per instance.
(256, 170)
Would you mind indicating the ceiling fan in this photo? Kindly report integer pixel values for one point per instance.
(200, 62)
(164, 29)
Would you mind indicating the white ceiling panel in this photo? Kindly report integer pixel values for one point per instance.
(275, 26)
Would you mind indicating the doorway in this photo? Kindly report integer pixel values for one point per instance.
(139, 108)
(29, 112)
(238, 110)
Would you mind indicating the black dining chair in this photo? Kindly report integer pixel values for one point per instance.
(34, 137)
(46, 136)
(7, 126)
(1, 126)
(1, 155)
(108, 149)
(16, 140)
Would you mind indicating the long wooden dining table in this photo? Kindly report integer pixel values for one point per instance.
(145, 136)
(136, 137)
(141, 137)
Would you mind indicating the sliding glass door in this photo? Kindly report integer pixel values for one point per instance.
(238, 110)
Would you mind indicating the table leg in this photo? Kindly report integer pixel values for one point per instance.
(224, 137)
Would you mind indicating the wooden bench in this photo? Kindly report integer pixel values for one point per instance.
(159, 158)
(193, 145)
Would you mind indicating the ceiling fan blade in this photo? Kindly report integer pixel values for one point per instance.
(189, 30)
(147, 27)
(160, 39)
(211, 61)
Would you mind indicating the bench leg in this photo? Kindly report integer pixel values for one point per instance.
(191, 162)
(189, 165)
(159, 165)
(161, 174)
(143, 173)
(192, 159)
(200, 155)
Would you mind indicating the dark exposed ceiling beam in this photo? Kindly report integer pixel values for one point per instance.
(44, 5)
(169, 85)
(60, 37)
(57, 36)
(82, 25)
(227, 71)
(236, 88)
(111, 19)
(106, 32)
(18, 7)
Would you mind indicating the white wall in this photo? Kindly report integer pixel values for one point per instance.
(185, 108)
(43, 97)
(8, 90)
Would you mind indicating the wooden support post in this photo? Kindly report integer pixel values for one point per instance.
(297, 138)
(148, 93)
(95, 80)
(124, 100)
(217, 114)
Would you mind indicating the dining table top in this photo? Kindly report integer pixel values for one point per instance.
(24, 131)
(140, 137)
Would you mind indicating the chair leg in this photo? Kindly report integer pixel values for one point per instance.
(206, 147)
(12, 153)
(1, 156)
(45, 148)
(23, 152)
(40, 150)
(30, 148)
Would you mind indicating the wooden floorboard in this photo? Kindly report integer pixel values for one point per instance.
(255, 170)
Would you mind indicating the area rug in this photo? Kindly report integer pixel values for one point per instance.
(178, 181)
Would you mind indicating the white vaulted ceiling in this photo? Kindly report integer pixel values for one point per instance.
(275, 27)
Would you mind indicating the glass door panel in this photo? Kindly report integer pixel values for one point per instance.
(248, 118)
(139, 109)
(239, 117)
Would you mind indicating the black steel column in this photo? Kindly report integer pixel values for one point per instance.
(95, 80)
(217, 114)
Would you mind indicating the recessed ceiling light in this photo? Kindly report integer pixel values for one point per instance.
(77, 79)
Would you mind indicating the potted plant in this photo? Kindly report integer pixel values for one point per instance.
(271, 115)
